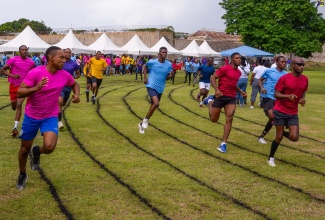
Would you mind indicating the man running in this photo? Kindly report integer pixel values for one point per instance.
(225, 96)
(205, 72)
(42, 86)
(71, 67)
(97, 66)
(19, 66)
(160, 71)
(267, 82)
(289, 92)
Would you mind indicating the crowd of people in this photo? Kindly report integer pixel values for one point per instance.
(47, 82)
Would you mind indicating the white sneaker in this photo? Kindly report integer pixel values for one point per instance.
(201, 104)
(145, 123)
(261, 140)
(60, 125)
(141, 130)
(251, 106)
(271, 162)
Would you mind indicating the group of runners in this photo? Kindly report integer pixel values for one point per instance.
(48, 88)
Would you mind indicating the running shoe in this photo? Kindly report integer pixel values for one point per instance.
(201, 104)
(21, 182)
(141, 129)
(223, 148)
(208, 99)
(60, 125)
(261, 140)
(34, 159)
(270, 162)
(93, 100)
(251, 107)
(145, 123)
(14, 132)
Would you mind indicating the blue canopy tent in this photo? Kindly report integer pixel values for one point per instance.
(247, 52)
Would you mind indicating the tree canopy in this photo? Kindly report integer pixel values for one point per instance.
(282, 26)
(18, 26)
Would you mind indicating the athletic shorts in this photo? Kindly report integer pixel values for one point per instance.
(128, 66)
(117, 67)
(153, 92)
(65, 93)
(30, 127)
(13, 92)
(195, 74)
(282, 119)
(203, 85)
(223, 101)
(97, 81)
(88, 80)
(267, 104)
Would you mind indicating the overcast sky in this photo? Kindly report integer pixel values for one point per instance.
(184, 15)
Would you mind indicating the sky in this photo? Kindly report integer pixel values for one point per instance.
(184, 15)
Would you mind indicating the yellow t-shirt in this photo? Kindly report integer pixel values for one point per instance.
(97, 67)
(123, 60)
(87, 70)
(128, 60)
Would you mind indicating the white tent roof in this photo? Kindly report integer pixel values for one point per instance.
(26, 37)
(72, 42)
(136, 47)
(105, 45)
(164, 43)
(205, 46)
(194, 50)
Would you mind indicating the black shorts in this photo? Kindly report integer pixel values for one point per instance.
(89, 80)
(223, 101)
(282, 119)
(267, 104)
(152, 92)
(97, 81)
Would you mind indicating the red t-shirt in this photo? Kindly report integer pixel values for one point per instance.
(228, 78)
(290, 84)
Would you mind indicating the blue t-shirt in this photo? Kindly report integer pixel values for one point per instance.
(70, 66)
(271, 77)
(4, 59)
(206, 72)
(195, 67)
(188, 66)
(37, 61)
(158, 73)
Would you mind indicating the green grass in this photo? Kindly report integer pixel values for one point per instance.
(103, 168)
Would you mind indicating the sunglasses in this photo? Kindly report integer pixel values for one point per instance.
(300, 64)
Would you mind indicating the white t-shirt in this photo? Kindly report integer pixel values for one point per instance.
(273, 65)
(244, 70)
(259, 70)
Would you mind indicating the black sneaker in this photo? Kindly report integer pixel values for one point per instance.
(21, 182)
(93, 100)
(14, 132)
(34, 159)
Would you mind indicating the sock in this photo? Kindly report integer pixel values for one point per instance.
(22, 173)
(274, 147)
(36, 151)
(223, 143)
(16, 124)
(267, 128)
(60, 116)
(286, 134)
(87, 95)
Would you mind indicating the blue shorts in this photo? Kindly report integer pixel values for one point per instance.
(153, 92)
(65, 93)
(30, 127)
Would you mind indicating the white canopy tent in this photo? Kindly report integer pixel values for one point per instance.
(26, 37)
(194, 50)
(206, 47)
(164, 43)
(136, 47)
(72, 42)
(105, 45)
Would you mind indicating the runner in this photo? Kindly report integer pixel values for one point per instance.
(205, 72)
(225, 96)
(19, 66)
(97, 65)
(42, 86)
(160, 71)
(289, 92)
(71, 67)
(267, 82)
(87, 73)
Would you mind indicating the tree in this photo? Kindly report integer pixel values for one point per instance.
(18, 26)
(282, 26)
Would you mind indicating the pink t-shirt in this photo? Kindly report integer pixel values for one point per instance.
(19, 66)
(44, 103)
(290, 84)
(228, 78)
(108, 61)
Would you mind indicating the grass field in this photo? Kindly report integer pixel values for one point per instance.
(103, 168)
